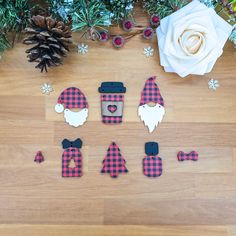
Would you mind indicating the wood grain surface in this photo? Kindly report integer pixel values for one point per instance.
(190, 198)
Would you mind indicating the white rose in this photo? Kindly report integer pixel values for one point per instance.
(191, 39)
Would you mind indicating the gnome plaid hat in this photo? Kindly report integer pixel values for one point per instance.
(151, 93)
(71, 98)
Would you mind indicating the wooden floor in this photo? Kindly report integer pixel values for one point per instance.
(190, 198)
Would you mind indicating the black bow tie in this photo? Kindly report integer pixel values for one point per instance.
(66, 143)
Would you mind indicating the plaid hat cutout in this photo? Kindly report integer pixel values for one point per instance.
(151, 93)
(114, 163)
(39, 157)
(72, 98)
(152, 163)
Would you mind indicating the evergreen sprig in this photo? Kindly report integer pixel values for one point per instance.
(4, 44)
(60, 9)
(163, 8)
(120, 9)
(90, 16)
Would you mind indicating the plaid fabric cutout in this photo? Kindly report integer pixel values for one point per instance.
(72, 98)
(114, 163)
(39, 157)
(182, 156)
(152, 166)
(68, 155)
(151, 93)
(112, 98)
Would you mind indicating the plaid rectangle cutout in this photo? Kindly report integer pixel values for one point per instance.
(112, 98)
(152, 166)
(114, 163)
(68, 155)
(182, 156)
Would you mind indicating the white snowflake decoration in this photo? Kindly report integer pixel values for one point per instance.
(148, 51)
(46, 88)
(82, 48)
(213, 84)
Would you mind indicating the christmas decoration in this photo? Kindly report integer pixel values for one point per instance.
(39, 157)
(128, 25)
(148, 33)
(191, 39)
(232, 37)
(112, 104)
(72, 154)
(90, 17)
(155, 20)
(213, 84)
(46, 88)
(104, 36)
(152, 163)
(151, 115)
(182, 156)
(114, 163)
(51, 39)
(82, 48)
(148, 51)
(118, 41)
(72, 98)
(120, 9)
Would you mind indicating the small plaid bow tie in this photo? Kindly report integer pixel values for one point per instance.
(66, 143)
(182, 156)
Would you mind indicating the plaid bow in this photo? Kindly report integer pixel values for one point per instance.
(66, 143)
(187, 156)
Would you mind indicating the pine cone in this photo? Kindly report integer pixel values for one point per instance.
(51, 37)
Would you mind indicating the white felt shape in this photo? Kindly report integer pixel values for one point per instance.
(59, 108)
(151, 115)
(76, 118)
(191, 39)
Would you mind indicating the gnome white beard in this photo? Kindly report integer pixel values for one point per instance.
(151, 116)
(76, 118)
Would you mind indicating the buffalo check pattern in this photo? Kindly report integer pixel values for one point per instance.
(114, 163)
(152, 166)
(151, 93)
(72, 154)
(72, 98)
(112, 98)
(39, 157)
(182, 156)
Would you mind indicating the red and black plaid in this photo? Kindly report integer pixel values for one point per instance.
(114, 163)
(39, 157)
(112, 98)
(152, 166)
(68, 155)
(151, 93)
(182, 156)
(72, 98)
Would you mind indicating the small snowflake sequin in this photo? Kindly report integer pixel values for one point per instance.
(82, 48)
(213, 84)
(148, 51)
(46, 88)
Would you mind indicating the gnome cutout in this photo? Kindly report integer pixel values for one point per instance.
(72, 98)
(151, 115)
